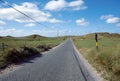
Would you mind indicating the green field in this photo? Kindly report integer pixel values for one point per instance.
(11, 43)
(106, 59)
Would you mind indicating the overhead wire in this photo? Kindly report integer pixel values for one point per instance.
(23, 13)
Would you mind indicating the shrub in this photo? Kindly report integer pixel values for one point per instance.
(15, 56)
(12, 56)
(108, 60)
(2, 63)
(28, 51)
(44, 47)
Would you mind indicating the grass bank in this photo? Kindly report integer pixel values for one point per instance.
(106, 59)
(17, 49)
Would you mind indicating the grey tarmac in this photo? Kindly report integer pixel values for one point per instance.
(59, 64)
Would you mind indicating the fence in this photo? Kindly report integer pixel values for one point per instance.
(3, 46)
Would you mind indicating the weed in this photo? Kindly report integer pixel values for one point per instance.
(106, 59)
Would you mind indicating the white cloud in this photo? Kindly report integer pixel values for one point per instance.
(50, 33)
(21, 32)
(55, 5)
(29, 9)
(2, 23)
(110, 19)
(82, 22)
(113, 20)
(106, 16)
(30, 25)
(54, 20)
(77, 5)
(10, 31)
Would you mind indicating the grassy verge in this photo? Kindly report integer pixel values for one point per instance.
(18, 49)
(106, 59)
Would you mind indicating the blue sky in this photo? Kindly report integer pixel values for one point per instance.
(68, 17)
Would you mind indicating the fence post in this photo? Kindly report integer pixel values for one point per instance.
(3, 46)
(96, 39)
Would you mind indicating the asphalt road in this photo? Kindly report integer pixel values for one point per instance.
(59, 64)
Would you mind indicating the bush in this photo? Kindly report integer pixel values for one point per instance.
(105, 59)
(44, 47)
(15, 56)
(108, 60)
(28, 51)
(2, 63)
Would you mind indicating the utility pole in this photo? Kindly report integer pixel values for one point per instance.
(57, 33)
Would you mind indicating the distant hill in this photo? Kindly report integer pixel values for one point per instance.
(9, 36)
(35, 36)
(110, 35)
(6, 36)
(1, 37)
(103, 35)
(88, 36)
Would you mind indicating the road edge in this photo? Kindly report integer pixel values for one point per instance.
(89, 68)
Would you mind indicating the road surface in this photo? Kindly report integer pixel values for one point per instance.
(59, 64)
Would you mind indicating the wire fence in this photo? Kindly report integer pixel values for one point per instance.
(3, 46)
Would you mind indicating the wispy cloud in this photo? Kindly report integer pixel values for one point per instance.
(56, 5)
(2, 23)
(48, 32)
(82, 22)
(10, 31)
(29, 9)
(111, 19)
(30, 25)
(22, 32)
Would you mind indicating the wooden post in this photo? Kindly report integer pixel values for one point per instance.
(3, 47)
(96, 39)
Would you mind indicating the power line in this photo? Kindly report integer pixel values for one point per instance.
(23, 13)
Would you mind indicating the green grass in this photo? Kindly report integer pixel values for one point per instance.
(17, 43)
(106, 59)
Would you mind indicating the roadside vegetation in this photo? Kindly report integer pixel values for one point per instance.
(106, 59)
(14, 50)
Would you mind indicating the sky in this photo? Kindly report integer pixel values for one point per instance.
(59, 17)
